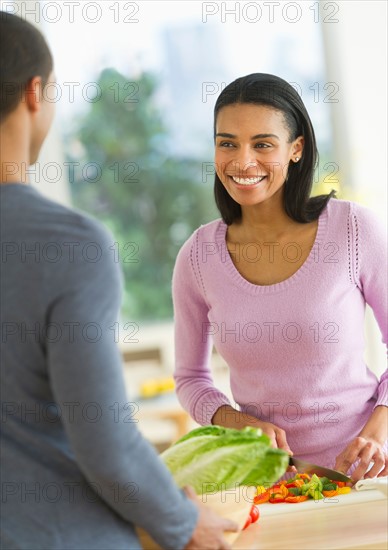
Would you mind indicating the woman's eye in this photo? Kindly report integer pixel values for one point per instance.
(228, 144)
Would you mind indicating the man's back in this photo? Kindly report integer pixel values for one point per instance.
(76, 473)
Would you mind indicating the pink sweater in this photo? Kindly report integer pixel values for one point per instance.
(295, 348)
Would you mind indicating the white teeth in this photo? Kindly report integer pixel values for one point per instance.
(248, 181)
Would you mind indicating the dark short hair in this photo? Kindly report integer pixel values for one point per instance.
(24, 54)
(272, 91)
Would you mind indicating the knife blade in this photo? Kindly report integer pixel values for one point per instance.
(308, 468)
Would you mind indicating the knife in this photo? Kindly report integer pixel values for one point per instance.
(308, 468)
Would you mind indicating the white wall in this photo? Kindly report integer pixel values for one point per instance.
(356, 59)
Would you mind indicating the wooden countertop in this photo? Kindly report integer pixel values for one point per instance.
(357, 521)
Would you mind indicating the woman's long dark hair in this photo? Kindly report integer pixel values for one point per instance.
(272, 91)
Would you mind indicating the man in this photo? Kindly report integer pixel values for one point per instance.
(76, 474)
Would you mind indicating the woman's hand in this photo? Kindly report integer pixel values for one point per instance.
(367, 448)
(366, 451)
(230, 418)
(277, 435)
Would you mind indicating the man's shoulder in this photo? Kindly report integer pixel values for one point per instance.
(81, 224)
(27, 208)
(73, 219)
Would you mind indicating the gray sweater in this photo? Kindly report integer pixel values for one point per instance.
(76, 472)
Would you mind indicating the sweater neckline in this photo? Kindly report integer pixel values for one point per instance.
(276, 287)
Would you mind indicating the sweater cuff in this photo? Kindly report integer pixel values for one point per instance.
(382, 395)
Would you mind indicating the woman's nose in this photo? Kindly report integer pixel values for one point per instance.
(245, 161)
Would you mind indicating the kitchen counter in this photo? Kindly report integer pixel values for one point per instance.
(356, 521)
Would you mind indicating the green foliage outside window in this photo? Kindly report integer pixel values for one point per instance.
(125, 177)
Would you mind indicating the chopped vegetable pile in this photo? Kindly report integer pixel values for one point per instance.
(300, 488)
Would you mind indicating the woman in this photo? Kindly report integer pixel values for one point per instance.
(279, 285)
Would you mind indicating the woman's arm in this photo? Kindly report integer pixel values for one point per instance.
(193, 342)
(369, 265)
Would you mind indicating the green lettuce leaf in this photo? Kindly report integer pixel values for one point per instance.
(213, 458)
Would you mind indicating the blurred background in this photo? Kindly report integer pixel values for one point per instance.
(132, 140)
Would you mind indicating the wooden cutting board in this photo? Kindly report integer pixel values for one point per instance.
(234, 504)
(354, 497)
(355, 521)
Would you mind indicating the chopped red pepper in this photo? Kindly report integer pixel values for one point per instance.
(303, 476)
(296, 483)
(254, 513)
(248, 522)
(295, 499)
(276, 499)
(340, 483)
(278, 491)
(260, 499)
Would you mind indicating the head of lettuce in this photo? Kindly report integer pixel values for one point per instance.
(223, 457)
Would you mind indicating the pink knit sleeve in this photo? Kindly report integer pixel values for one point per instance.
(370, 272)
(382, 398)
(194, 383)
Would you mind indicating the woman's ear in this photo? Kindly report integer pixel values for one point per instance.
(297, 149)
(298, 146)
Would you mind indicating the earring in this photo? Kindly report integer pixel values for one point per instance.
(296, 159)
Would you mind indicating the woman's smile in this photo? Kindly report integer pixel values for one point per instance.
(247, 182)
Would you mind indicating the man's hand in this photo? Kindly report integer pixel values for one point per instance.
(209, 531)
